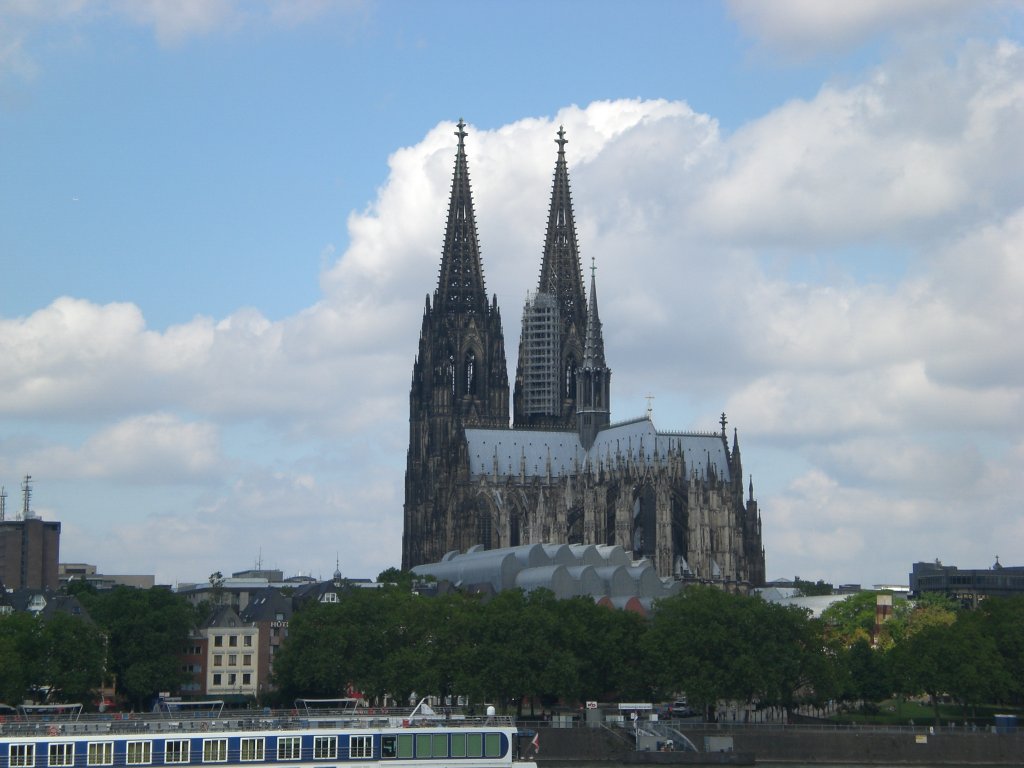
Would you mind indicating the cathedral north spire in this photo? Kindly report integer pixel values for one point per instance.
(560, 272)
(554, 319)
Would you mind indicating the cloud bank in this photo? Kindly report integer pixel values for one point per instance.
(880, 410)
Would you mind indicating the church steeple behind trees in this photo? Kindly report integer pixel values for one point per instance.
(554, 318)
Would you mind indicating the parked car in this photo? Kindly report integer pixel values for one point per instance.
(680, 708)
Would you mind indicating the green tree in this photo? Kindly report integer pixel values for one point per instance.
(72, 655)
(714, 645)
(976, 673)
(18, 660)
(147, 630)
(1004, 623)
(604, 645)
(921, 663)
(867, 676)
(853, 619)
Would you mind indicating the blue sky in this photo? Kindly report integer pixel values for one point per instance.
(221, 218)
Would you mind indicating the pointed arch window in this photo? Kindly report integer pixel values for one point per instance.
(470, 373)
(451, 373)
(570, 379)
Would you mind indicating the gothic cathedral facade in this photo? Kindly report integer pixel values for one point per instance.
(563, 472)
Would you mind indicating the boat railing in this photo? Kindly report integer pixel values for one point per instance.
(198, 722)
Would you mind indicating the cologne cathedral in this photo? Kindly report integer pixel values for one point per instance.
(563, 473)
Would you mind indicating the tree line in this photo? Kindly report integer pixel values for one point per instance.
(714, 646)
(530, 651)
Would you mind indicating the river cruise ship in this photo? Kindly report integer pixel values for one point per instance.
(314, 734)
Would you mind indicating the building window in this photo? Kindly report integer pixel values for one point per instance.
(62, 754)
(22, 755)
(218, 660)
(248, 641)
(247, 660)
(252, 749)
(218, 641)
(246, 678)
(215, 750)
(176, 751)
(325, 747)
(232, 678)
(216, 678)
(360, 747)
(100, 753)
(233, 641)
(289, 747)
(139, 753)
(233, 660)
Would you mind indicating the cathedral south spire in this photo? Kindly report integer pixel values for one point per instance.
(460, 283)
(554, 318)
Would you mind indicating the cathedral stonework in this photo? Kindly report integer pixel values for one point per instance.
(562, 473)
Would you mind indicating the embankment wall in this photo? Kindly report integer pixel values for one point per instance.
(798, 744)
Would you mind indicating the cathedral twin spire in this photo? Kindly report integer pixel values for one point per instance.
(560, 337)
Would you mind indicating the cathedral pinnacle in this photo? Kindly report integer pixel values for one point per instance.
(561, 141)
(593, 351)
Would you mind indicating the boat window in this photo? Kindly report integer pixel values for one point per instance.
(458, 745)
(440, 746)
(325, 747)
(492, 745)
(175, 751)
(289, 747)
(423, 745)
(475, 744)
(22, 755)
(62, 753)
(100, 753)
(360, 746)
(251, 748)
(389, 746)
(215, 750)
(405, 746)
(139, 753)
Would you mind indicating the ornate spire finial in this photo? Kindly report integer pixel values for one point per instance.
(461, 133)
(561, 141)
(723, 421)
(650, 406)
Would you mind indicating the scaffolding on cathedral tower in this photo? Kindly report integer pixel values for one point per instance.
(542, 387)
